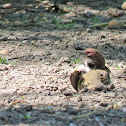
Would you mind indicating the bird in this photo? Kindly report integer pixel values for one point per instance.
(96, 57)
(94, 75)
(93, 80)
(96, 60)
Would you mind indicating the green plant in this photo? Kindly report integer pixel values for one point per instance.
(58, 37)
(37, 19)
(56, 22)
(68, 7)
(1, 35)
(9, 28)
(103, 48)
(117, 66)
(45, 20)
(95, 20)
(69, 25)
(14, 63)
(48, 108)
(76, 61)
(27, 117)
(25, 19)
(3, 61)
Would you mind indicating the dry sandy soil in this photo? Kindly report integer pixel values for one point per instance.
(39, 48)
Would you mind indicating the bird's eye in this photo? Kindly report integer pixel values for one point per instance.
(101, 75)
(91, 65)
(79, 73)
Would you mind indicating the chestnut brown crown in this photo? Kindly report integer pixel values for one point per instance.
(96, 56)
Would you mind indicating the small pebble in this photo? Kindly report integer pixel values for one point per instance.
(124, 6)
(114, 12)
(104, 104)
(4, 52)
(115, 24)
(72, 124)
(68, 93)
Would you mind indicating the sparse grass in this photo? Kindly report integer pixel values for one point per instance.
(103, 48)
(27, 117)
(46, 21)
(25, 19)
(9, 28)
(117, 66)
(95, 20)
(14, 63)
(1, 35)
(56, 22)
(69, 8)
(48, 108)
(58, 37)
(37, 19)
(3, 61)
(76, 61)
(59, 25)
(69, 25)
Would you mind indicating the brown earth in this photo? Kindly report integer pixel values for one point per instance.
(39, 48)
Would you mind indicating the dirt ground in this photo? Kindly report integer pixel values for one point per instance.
(39, 48)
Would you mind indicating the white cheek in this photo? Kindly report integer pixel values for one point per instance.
(83, 68)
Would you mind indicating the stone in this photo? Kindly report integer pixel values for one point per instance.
(114, 12)
(115, 24)
(124, 6)
(4, 52)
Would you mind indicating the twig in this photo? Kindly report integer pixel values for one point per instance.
(99, 25)
(17, 101)
(51, 115)
(104, 24)
(84, 115)
(93, 112)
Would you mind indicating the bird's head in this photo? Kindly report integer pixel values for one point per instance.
(96, 57)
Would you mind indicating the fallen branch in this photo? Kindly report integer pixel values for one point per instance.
(93, 112)
(84, 115)
(99, 25)
(50, 115)
(104, 24)
(17, 101)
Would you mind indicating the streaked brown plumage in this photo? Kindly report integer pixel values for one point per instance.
(92, 80)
